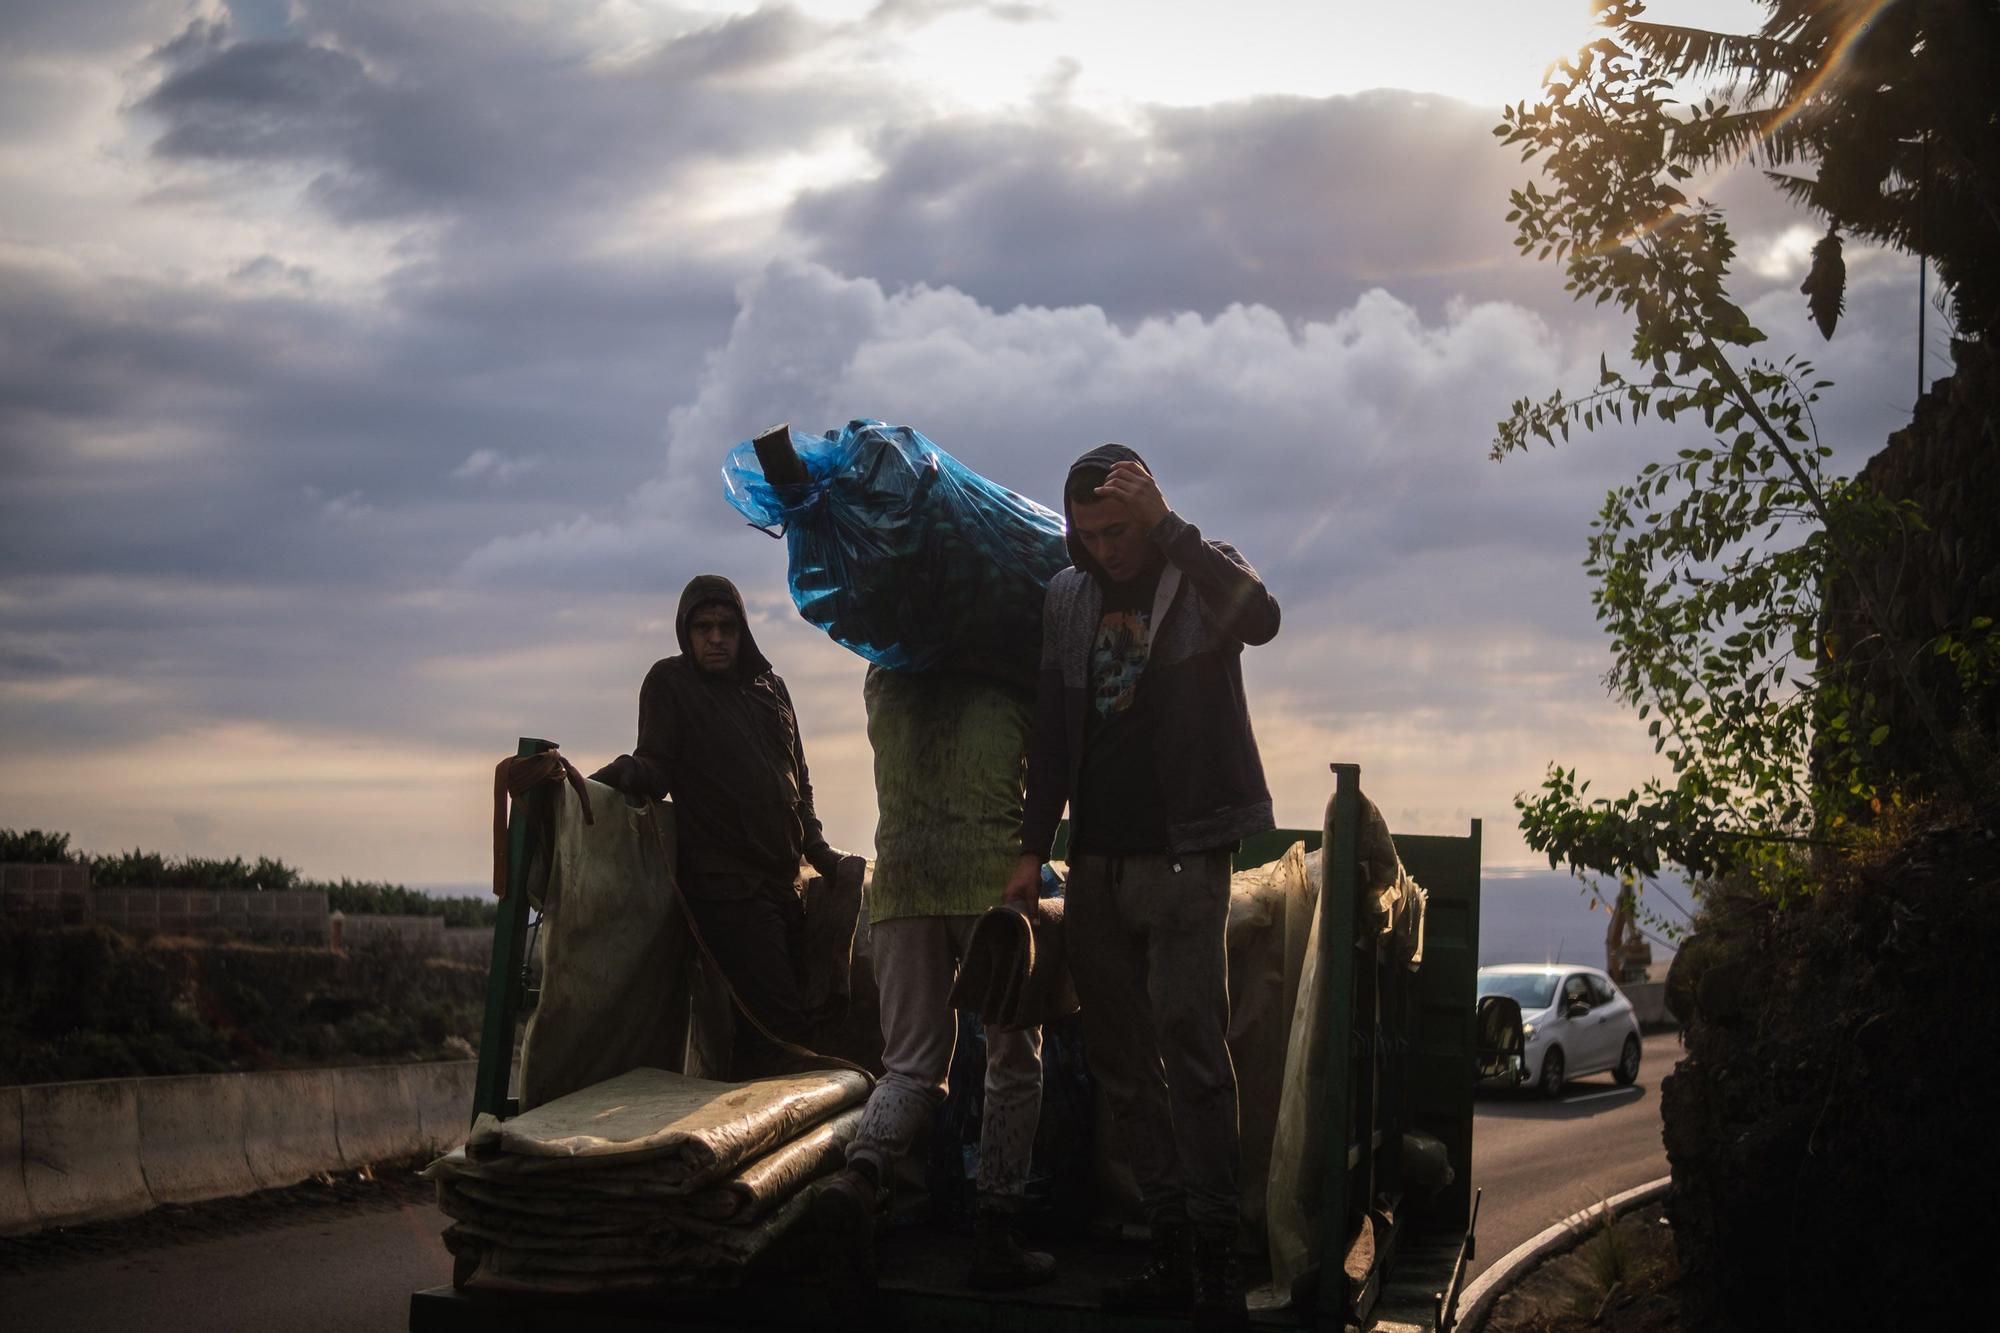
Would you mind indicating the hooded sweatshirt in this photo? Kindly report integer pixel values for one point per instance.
(726, 747)
(1207, 604)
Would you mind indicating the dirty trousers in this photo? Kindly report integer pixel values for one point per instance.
(916, 961)
(1146, 949)
(756, 937)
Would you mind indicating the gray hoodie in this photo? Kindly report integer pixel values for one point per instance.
(1209, 604)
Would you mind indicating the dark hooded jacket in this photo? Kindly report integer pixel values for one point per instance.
(726, 747)
(1208, 605)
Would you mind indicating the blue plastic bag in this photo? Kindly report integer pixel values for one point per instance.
(905, 555)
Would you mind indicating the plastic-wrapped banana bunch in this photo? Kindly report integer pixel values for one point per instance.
(899, 551)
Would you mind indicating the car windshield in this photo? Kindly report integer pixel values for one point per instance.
(1530, 990)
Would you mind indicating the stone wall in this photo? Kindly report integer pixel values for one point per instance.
(1932, 576)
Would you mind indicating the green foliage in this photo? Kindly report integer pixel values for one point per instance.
(33, 846)
(373, 896)
(1607, 1258)
(1893, 109)
(1974, 655)
(138, 869)
(1709, 570)
(149, 870)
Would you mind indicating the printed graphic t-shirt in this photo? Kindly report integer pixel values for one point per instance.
(1116, 808)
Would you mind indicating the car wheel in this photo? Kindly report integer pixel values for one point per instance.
(1550, 1084)
(1627, 1072)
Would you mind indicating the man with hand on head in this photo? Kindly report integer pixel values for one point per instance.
(717, 732)
(1142, 729)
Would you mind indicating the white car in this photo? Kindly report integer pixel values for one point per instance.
(1574, 1021)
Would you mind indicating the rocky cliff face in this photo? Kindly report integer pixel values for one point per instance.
(1831, 1130)
(1935, 576)
(1831, 1127)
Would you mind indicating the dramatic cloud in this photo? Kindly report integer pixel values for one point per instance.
(1301, 204)
(365, 370)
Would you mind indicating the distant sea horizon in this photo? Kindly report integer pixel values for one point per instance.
(1529, 915)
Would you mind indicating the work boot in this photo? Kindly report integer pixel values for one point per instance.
(843, 1212)
(998, 1261)
(1163, 1284)
(1219, 1304)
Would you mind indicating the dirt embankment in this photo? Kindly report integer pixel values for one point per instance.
(88, 1002)
(1618, 1279)
(1831, 1129)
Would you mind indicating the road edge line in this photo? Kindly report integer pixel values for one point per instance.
(1477, 1300)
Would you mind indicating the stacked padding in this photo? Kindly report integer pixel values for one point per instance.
(648, 1181)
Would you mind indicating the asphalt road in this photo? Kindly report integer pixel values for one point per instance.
(1536, 1162)
(351, 1272)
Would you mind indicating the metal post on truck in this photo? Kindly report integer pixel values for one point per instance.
(1336, 955)
(504, 980)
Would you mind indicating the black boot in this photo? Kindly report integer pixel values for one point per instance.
(1218, 1285)
(1163, 1284)
(999, 1263)
(843, 1212)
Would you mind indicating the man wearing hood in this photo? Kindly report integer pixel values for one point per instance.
(717, 732)
(1142, 729)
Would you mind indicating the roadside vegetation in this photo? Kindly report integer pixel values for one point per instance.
(1814, 655)
(1619, 1277)
(149, 870)
(89, 1002)
(86, 1001)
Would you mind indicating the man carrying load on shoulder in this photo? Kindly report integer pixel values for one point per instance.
(950, 751)
(1142, 729)
(717, 732)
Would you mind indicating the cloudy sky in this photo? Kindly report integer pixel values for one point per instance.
(366, 367)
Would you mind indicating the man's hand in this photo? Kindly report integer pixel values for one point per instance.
(850, 872)
(1024, 886)
(1134, 485)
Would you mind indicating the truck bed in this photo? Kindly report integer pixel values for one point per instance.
(919, 1287)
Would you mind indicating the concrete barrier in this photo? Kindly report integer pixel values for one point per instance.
(288, 1132)
(191, 1138)
(16, 1215)
(442, 1094)
(1649, 1003)
(80, 1150)
(373, 1116)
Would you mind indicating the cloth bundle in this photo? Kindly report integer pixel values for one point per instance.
(1016, 972)
(648, 1181)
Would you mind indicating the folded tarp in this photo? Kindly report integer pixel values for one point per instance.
(622, 986)
(615, 1198)
(1270, 931)
(686, 1131)
(698, 1265)
(1392, 904)
(650, 1180)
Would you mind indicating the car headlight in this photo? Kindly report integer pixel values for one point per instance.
(1527, 1031)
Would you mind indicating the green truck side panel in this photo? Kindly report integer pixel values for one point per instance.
(1444, 996)
(1261, 849)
